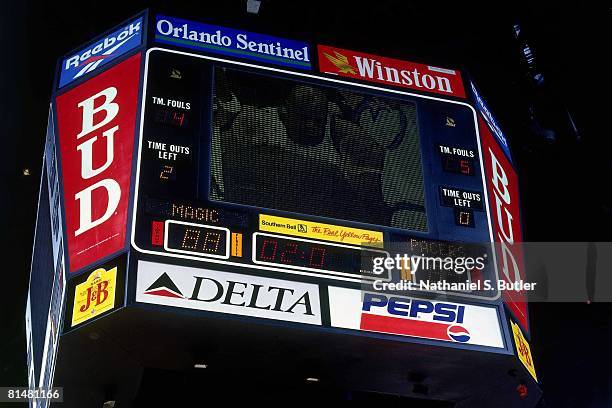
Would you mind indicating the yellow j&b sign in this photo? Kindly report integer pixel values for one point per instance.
(523, 350)
(94, 296)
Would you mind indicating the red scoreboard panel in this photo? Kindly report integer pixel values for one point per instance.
(96, 126)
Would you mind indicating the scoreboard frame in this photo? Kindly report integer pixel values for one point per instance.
(324, 284)
(150, 45)
(312, 76)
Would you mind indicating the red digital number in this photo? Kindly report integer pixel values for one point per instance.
(264, 246)
(290, 249)
(178, 118)
(317, 252)
(465, 167)
(449, 163)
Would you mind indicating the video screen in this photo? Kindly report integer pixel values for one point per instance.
(310, 149)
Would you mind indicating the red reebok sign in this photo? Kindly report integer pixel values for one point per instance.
(96, 136)
(389, 71)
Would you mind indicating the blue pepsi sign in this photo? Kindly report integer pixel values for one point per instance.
(101, 52)
(236, 43)
(490, 120)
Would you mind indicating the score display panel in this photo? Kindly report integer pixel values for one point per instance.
(224, 143)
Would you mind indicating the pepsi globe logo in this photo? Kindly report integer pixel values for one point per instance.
(458, 333)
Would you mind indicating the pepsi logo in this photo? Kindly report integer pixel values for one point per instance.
(458, 333)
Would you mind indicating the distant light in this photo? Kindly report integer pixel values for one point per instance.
(26, 172)
(538, 79)
(312, 379)
(253, 6)
(200, 366)
(522, 391)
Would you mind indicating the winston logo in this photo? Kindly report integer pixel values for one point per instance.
(341, 62)
(390, 71)
(226, 292)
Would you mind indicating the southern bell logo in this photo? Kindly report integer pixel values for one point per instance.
(226, 292)
(390, 71)
(414, 317)
(101, 52)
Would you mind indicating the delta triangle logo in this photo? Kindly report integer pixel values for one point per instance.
(341, 62)
(164, 286)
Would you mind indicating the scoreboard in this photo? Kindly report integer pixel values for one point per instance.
(224, 174)
(231, 154)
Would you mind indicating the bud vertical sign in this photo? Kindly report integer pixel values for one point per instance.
(96, 129)
(502, 185)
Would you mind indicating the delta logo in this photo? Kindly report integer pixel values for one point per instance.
(414, 317)
(101, 52)
(226, 292)
(236, 293)
(164, 286)
(389, 71)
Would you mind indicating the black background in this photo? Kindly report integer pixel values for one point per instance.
(565, 185)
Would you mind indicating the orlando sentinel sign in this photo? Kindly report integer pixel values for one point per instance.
(235, 43)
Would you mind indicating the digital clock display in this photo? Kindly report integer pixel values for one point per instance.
(313, 255)
(196, 239)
